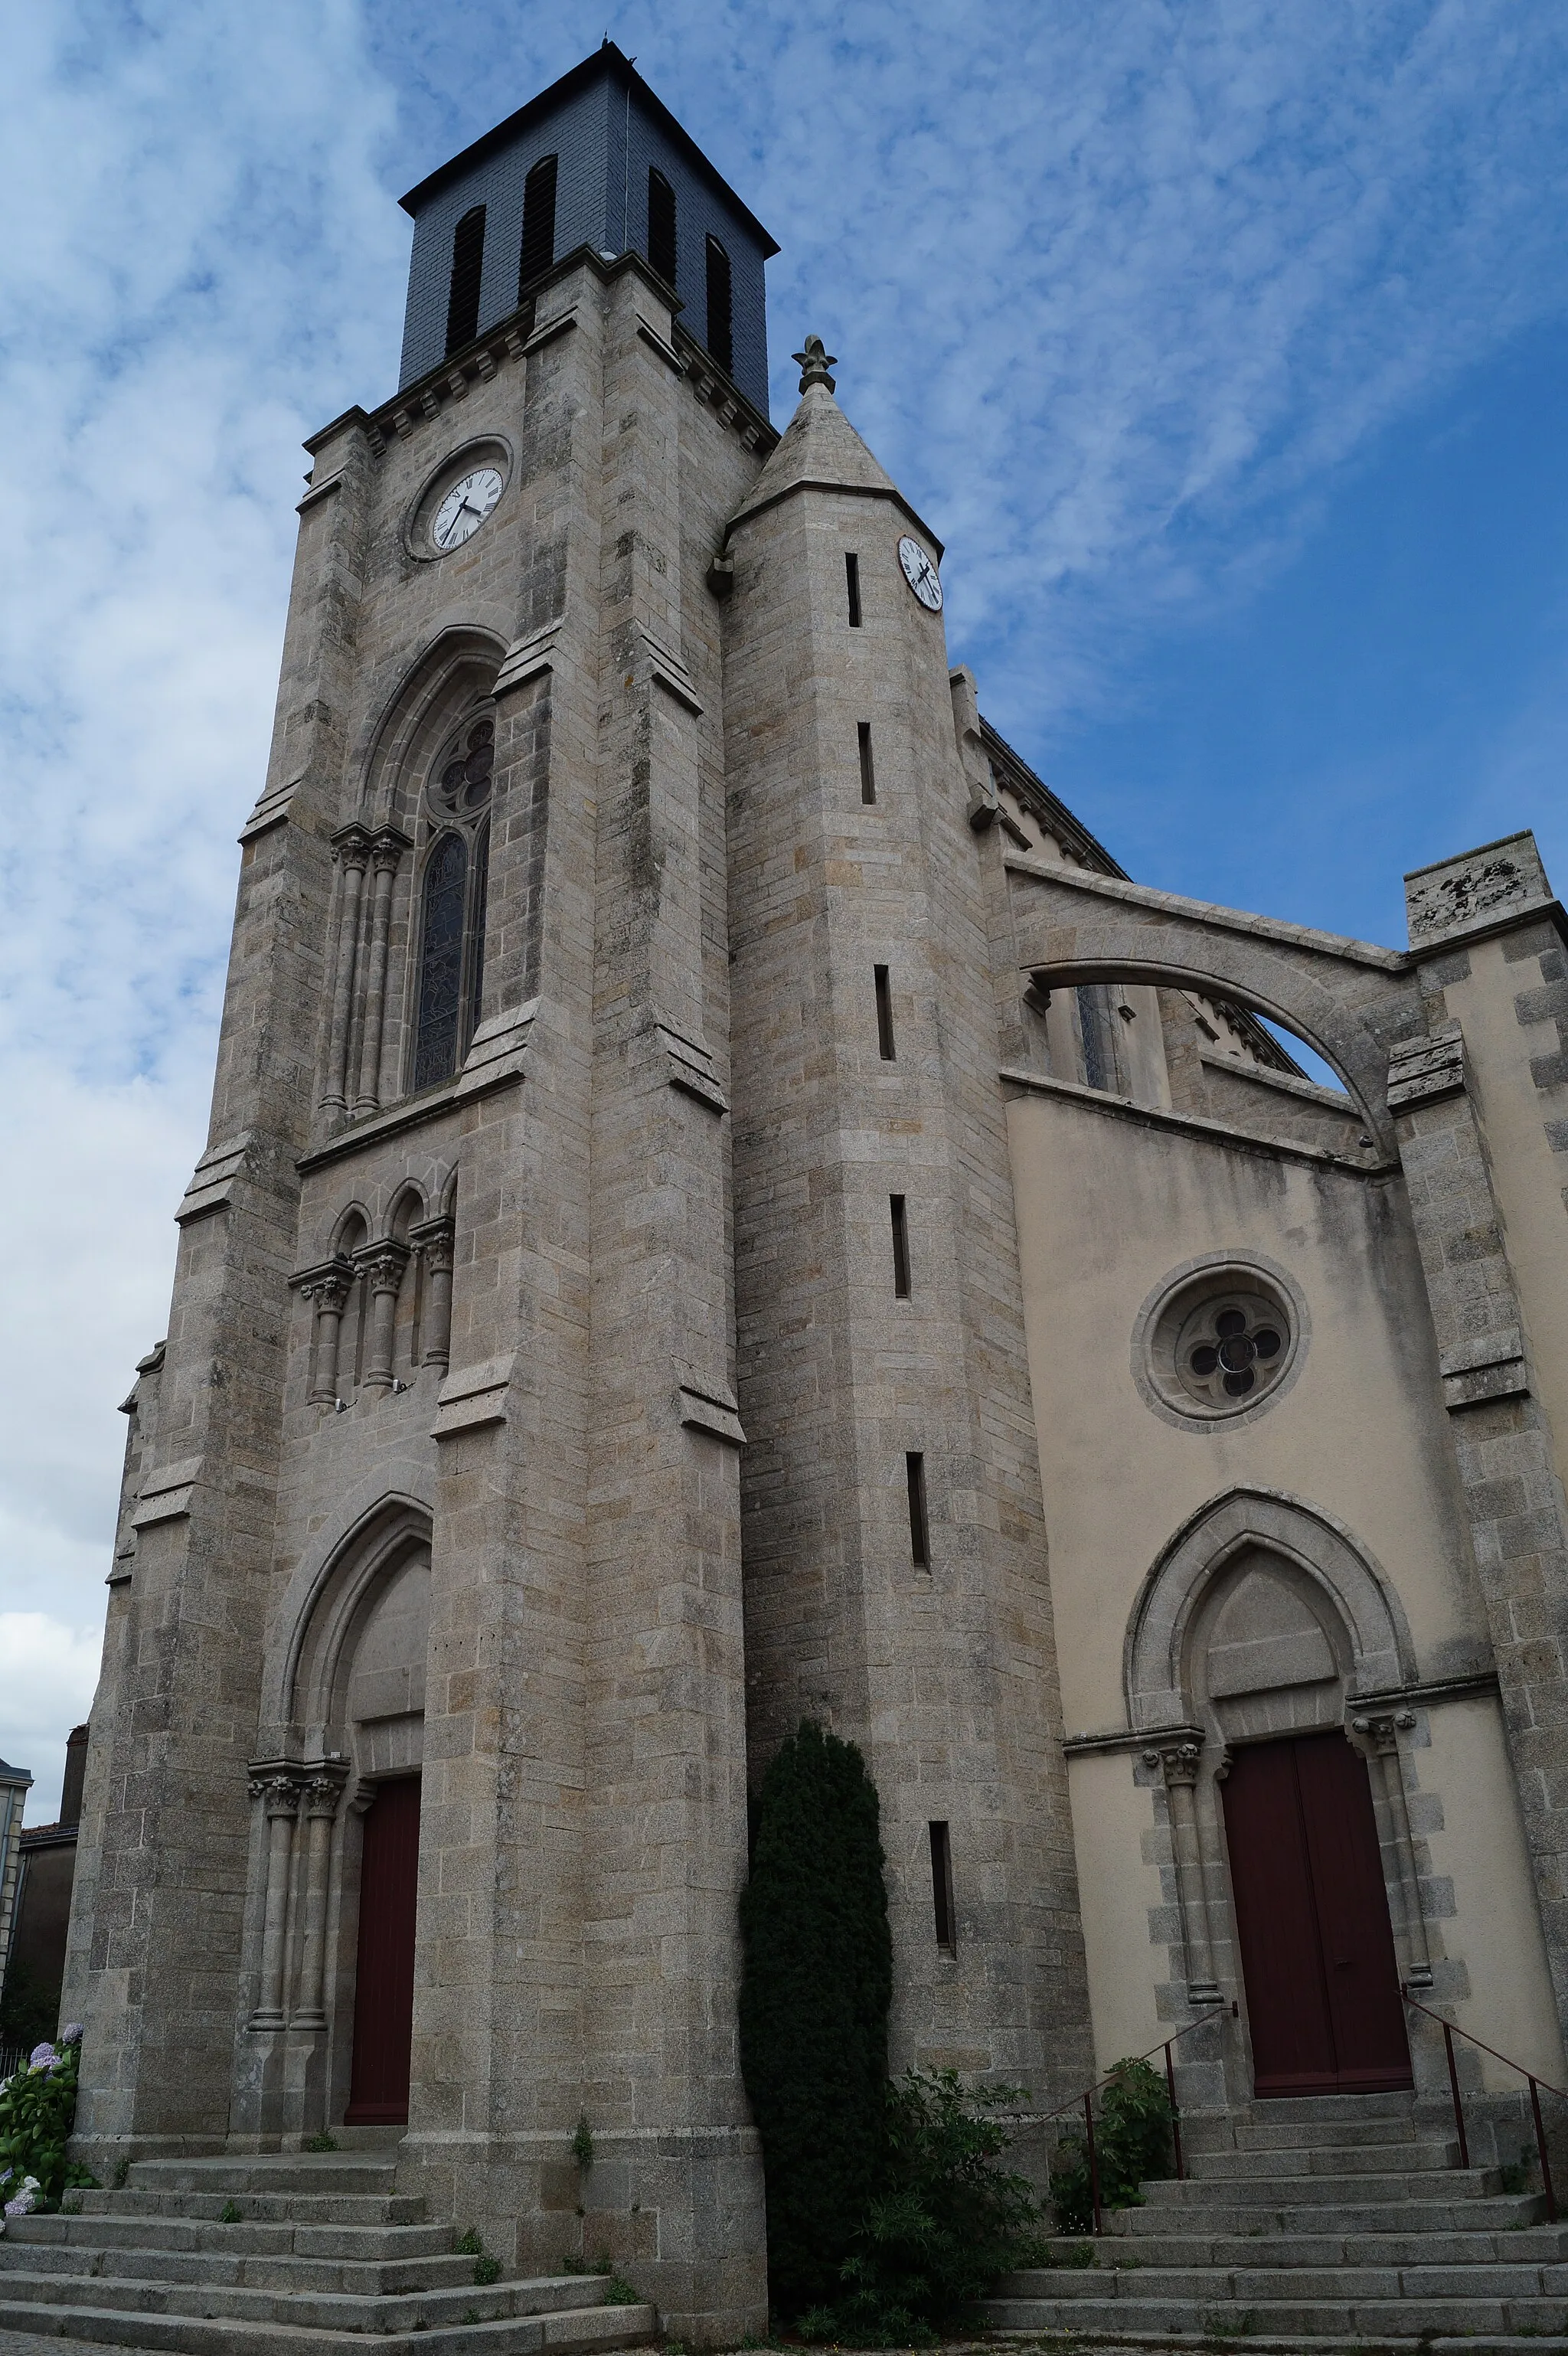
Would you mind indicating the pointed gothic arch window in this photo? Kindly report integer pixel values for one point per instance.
(452, 895)
(721, 339)
(661, 225)
(538, 223)
(467, 264)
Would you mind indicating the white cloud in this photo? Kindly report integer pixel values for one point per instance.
(1117, 288)
(53, 1667)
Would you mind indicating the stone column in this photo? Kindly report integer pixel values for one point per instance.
(1177, 1762)
(351, 849)
(326, 1288)
(1380, 1743)
(385, 853)
(279, 1792)
(384, 1263)
(434, 1240)
(322, 1788)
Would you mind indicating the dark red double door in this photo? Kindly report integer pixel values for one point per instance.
(384, 1984)
(1323, 1999)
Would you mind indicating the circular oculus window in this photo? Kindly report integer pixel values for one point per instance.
(1218, 1341)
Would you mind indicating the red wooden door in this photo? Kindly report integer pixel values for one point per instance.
(384, 1984)
(1323, 1997)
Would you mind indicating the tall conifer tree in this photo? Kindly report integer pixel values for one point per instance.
(813, 2007)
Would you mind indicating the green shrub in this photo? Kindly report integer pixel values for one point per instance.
(816, 1985)
(1131, 2146)
(38, 2107)
(618, 2292)
(324, 2141)
(486, 2269)
(944, 2223)
(469, 2244)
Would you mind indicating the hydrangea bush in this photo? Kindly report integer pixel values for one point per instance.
(38, 2107)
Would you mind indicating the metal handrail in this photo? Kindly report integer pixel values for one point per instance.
(1450, 2029)
(1215, 2012)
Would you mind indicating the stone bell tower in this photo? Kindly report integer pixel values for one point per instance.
(418, 1790)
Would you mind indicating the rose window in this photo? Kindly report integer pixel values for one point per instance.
(461, 787)
(1231, 1349)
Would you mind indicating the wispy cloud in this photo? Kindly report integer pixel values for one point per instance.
(1117, 288)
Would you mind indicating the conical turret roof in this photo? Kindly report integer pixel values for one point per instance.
(820, 450)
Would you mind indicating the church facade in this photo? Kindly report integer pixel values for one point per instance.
(724, 1204)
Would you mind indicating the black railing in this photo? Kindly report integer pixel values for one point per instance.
(1216, 2012)
(1450, 2031)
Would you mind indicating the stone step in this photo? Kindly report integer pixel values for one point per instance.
(291, 2172)
(1260, 2129)
(1534, 2245)
(1413, 2158)
(360, 2278)
(1243, 2285)
(304, 2308)
(263, 2208)
(113, 2232)
(187, 2335)
(1129, 2314)
(1495, 2213)
(1373, 2189)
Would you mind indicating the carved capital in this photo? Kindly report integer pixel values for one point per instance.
(351, 846)
(387, 849)
(433, 1239)
(327, 1285)
(323, 1787)
(1177, 1762)
(1382, 1734)
(384, 1263)
(278, 1789)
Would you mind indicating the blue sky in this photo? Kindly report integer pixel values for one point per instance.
(1224, 343)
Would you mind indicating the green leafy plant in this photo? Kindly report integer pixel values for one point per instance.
(618, 2292)
(122, 2171)
(471, 2315)
(1131, 2146)
(321, 2142)
(582, 2143)
(570, 2265)
(815, 1992)
(486, 2269)
(229, 2214)
(38, 2107)
(469, 2244)
(946, 2219)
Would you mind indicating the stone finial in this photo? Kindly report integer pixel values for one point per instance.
(814, 362)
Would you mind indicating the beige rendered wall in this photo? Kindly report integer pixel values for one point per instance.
(1110, 1205)
(1118, 1885)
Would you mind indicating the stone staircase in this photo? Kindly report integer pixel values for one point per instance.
(1336, 2221)
(288, 2255)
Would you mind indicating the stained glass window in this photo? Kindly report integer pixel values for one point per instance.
(440, 961)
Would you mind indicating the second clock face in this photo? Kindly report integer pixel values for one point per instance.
(921, 574)
(465, 507)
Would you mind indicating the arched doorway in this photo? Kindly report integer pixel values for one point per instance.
(1291, 1838)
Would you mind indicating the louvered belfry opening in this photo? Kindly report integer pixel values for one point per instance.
(538, 223)
(467, 264)
(661, 225)
(720, 338)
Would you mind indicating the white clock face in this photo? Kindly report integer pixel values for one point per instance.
(465, 507)
(921, 574)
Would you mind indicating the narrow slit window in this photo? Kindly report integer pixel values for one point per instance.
(941, 1889)
(852, 584)
(1099, 1053)
(867, 769)
(467, 264)
(919, 1527)
(538, 223)
(884, 1013)
(478, 889)
(661, 226)
(721, 340)
(900, 1246)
